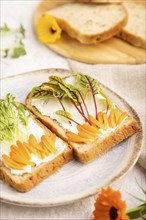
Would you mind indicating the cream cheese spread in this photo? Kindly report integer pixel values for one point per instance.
(49, 106)
(37, 131)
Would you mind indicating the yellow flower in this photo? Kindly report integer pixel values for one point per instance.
(48, 30)
(109, 206)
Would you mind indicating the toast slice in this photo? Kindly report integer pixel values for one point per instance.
(26, 181)
(135, 32)
(101, 1)
(83, 149)
(90, 23)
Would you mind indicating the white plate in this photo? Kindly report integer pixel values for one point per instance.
(75, 180)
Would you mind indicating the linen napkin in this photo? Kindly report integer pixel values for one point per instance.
(129, 81)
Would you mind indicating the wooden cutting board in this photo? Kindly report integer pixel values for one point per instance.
(113, 51)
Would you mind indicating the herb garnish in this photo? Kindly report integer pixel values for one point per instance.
(58, 88)
(12, 117)
(91, 85)
(15, 47)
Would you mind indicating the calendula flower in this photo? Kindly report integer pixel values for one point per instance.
(109, 206)
(48, 30)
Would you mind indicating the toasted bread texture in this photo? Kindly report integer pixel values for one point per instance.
(90, 23)
(135, 30)
(26, 182)
(87, 152)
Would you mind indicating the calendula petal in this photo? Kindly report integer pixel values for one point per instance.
(76, 138)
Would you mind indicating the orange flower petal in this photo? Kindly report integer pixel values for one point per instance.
(20, 155)
(109, 205)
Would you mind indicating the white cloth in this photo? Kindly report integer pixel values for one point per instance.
(40, 57)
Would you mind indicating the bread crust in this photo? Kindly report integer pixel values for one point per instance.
(132, 39)
(93, 38)
(132, 36)
(27, 181)
(99, 146)
(101, 1)
(38, 174)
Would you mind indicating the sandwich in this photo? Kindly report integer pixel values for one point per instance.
(30, 152)
(77, 109)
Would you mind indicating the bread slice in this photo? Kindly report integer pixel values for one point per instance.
(89, 23)
(27, 181)
(101, 1)
(87, 152)
(135, 30)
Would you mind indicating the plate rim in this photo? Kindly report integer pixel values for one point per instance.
(93, 190)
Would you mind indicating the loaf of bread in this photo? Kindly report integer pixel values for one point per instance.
(90, 23)
(27, 181)
(135, 30)
(87, 151)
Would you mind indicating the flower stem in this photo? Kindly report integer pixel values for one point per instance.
(61, 104)
(84, 103)
(136, 212)
(94, 100)
(70, 119)
(82, 114)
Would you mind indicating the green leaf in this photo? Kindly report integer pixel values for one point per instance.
(6, 51)
(59, 82)
(92, 85)
(18, 36)
(23, 118)
(143, 213)
(109, 102)
(70, 92)
(18, 51)
(57, 91)
(137, 212)
(47, 90)
(5, 28)
(87, 82)
(41, 92)
(74, 94)
(64, 114)
(11, 116)
(22, 30)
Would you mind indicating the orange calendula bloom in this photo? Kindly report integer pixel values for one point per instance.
(109, 206)
(48, 30)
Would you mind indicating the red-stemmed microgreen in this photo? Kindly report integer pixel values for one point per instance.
(62, 91)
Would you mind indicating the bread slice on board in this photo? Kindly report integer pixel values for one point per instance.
(86, 152)
(90, 23)
(27, 181)
(101, 1)
(135, 30)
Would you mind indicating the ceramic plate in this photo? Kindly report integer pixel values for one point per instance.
(74, 181)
